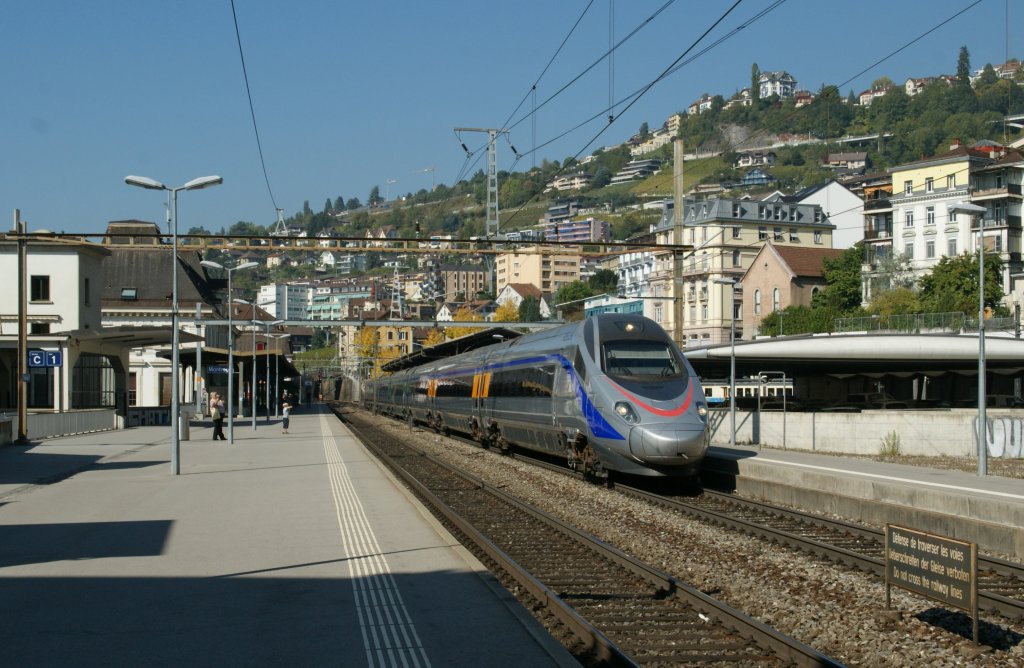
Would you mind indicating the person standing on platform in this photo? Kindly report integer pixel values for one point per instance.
(217, 413)
(286, 411)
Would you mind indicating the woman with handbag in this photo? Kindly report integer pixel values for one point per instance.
(217, 413)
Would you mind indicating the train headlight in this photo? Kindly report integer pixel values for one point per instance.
(626, 412)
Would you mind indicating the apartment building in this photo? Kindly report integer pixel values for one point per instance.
(547, 269)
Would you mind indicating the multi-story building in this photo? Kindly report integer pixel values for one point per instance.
(64, 288)
(285, 301)
(575, 181)
(447, 282)
(579, 230)
(777, 83)
(700, 105)
(548, 269)
(636, 170)
(923, 229)
(725, 235)
(997, 187)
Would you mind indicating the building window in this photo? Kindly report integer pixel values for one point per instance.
(40, 288)
(39, 328)
(814, 292)
(908, 250)
(951, 247)
(735, 258)
(693, 313)
(704, 313)
(87, 290)
(762, 233)
(775, 299)
(735, 209)
(757, 302)
(908, 219)
(817, 237)
(929, 249)
(951, 181)
(908, 187)
(129, 294)
(998, 243)
(793, 236)
(929, 185)
(736, 232)
(658, 312)
(704, 261)
(778, 234)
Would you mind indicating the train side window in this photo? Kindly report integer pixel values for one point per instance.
(579, 366)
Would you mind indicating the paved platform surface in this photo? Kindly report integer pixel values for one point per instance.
(293, 549)
(987, 510)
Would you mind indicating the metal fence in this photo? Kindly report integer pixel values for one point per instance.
(49, 425)
(921, 323)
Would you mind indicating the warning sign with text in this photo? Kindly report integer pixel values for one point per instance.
(940, 568)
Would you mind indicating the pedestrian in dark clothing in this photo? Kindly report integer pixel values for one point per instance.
(217, 413)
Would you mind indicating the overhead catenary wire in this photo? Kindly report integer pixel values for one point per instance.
(252, 110)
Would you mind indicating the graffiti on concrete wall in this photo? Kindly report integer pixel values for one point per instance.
(1004, 437)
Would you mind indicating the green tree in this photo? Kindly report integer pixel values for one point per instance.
(327, 205)
(339, 203)
(797, 320)
(755, 85)
(374, 199)
(603, 281)
(988, 75)
(602, 177)
(843, 274)
(644, 130)
(570, 296)
(963, 67)
(352, 204)
(529, 309)
(895, 302)
(952, 284)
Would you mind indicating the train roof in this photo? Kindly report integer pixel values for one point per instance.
(486, 337)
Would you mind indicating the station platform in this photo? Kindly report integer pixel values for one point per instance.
(295, 549)
(986, 510)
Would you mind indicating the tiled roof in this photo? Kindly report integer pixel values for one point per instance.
(806, 261)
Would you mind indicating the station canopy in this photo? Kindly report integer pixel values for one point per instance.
(445, 349)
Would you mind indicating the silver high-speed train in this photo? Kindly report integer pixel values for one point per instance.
(612, 393)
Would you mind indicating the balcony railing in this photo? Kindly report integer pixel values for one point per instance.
(876, 204)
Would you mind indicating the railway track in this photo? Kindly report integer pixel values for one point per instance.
(1000, 582)
(621, 611)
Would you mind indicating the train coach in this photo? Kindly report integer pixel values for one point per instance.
(612, 393)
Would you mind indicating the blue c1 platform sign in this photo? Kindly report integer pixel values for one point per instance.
(45, 358)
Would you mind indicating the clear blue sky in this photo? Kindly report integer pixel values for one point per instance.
(349, 95)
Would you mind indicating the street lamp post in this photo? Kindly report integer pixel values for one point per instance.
(277, 374)
(194, 184)
(974, 210)
(732, 357)
(252, 392)
(266, 350)
(231, 343)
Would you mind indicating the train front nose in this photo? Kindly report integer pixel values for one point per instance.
(668, 445)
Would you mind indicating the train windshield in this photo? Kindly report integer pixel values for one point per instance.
(638, 359)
